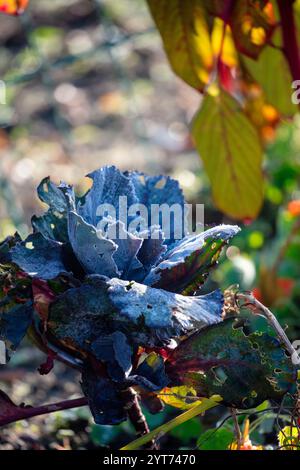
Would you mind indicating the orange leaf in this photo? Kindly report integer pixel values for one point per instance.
(13, 7)
(294, 208)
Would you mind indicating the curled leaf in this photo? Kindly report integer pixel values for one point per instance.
(186, 265)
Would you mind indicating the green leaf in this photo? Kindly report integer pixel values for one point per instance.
(185, 34)
(244, 370)
(215, 439)
(187, 431)
(232, 154)
(272, 72)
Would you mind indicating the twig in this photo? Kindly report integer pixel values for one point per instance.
(259, 309)
(239, 438)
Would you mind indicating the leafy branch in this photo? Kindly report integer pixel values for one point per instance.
(241, 56)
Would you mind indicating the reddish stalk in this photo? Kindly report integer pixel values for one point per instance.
(289, 33)
(17, 413)
(11, 413)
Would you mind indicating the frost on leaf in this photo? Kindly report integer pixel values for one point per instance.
(186, 266)
(98, 291)
(148, 317)
(109, 184)
(163, 314)
(93, 251)
(53, 224)
(39, 257)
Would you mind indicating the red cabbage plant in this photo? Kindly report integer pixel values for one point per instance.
(125, 306)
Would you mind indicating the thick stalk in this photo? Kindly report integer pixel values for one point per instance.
(136, 415)
(27, 412)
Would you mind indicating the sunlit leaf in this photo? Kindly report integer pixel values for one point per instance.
(231, 151)
(289, 438)
(223, 44)
(185, 267)
(148, 316)
(272, 72)
(244, 370)
(180, 397)
(185, 34)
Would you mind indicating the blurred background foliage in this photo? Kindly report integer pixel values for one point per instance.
(88, 84)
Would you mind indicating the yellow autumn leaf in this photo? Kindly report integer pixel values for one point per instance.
(185, 34)
(223, 43)
(180, 397)
(289, 438)
(231, 151)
